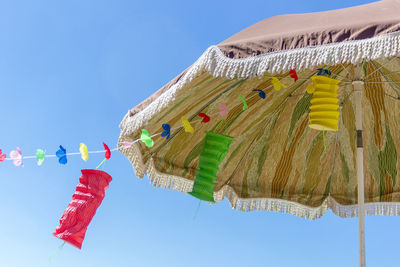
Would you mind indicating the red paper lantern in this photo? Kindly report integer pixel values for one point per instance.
(87, 198)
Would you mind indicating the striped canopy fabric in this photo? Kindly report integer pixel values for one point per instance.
(276, 162)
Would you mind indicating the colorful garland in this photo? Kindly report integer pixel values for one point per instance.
(62, 155)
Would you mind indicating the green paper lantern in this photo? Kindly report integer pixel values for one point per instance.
(214, 150)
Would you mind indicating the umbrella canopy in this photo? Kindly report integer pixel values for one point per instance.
(275, 161)
(295, 114)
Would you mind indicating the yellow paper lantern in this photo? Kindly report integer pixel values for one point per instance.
(324, 114)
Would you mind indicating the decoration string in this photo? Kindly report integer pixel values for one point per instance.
(276, 84)
(197, 211)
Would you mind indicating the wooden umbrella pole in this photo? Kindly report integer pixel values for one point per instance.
(358, 90)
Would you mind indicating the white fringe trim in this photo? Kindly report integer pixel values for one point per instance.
(371, 209)
(159, 179)
(218, 65)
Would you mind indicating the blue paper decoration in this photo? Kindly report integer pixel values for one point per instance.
(62, 155)
(322, 71)
(261, 93)
(167, 131)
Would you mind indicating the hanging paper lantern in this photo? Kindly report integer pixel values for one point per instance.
(214, 150)
(324, 114)
(87, 198)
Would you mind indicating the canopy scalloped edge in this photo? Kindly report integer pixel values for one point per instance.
(167, 181)
(218, 65)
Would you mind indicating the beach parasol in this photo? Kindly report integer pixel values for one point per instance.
(295, 114)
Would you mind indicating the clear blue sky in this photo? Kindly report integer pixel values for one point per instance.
(69, 71)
